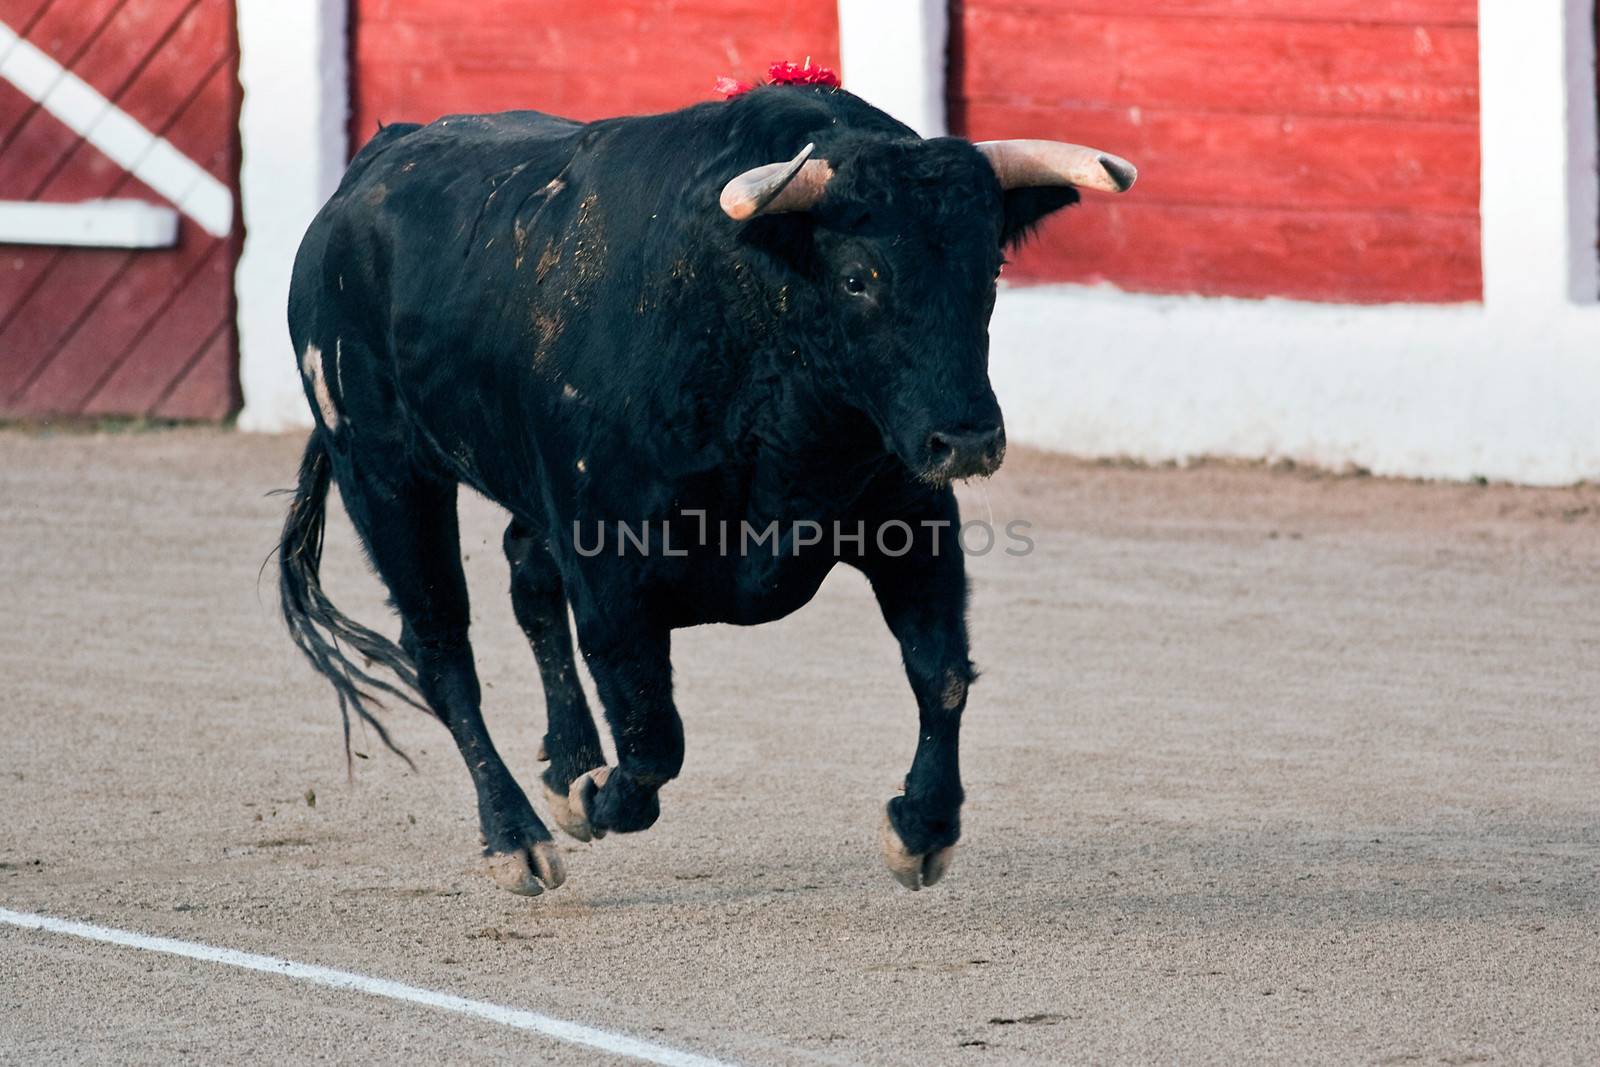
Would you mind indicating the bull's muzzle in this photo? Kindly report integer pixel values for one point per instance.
(955, 454)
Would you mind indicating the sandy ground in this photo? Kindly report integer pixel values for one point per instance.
(1264, 766)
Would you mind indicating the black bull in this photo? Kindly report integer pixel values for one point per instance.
(563, 317)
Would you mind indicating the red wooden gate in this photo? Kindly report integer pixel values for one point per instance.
(1318, 149)
(418, 59)
(102, 331)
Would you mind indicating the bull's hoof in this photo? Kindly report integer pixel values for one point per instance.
(911, 869)
(571, 812)
(529, 870)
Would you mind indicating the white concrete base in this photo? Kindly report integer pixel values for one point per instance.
(1430, 392)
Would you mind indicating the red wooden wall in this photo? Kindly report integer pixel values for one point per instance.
(1317, 149)
(418, 59)
(99, 332)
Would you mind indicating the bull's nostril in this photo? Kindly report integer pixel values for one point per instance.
(961, 453)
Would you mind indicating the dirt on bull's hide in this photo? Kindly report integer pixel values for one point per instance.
(588, 257)
(519, 237)
(548, 260)
(582, 250)
(521, 229)
(547, 327)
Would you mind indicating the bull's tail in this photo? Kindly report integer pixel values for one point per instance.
(319, 629)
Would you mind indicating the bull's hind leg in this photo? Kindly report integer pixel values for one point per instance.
(571, 742)
(923, 596)
(409, 526)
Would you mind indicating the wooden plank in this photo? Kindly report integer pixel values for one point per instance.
(1339, 163)
(1405, 12)
(15, 107)
(20, 269)
(690, 52)
(120, 312)
(1308, 255)
(1260, 66)
(62, 31)
(65, 28)
(420, 60)
(33, 154)
(19, 14)
(491, 17)
(209, 387)
(132, 37)
(207, 129)
(48, 318)
(431, 94)
(141, 379)
(175, 71)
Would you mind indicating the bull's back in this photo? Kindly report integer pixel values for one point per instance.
(401, 281)
(395, 234)
(413, 184)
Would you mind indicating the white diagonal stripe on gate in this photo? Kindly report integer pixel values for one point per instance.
(122, 138)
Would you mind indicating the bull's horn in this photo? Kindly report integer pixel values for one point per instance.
(1031, 164)
(776, 187)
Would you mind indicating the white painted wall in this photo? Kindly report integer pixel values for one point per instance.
(1507, 390)
(1423, 392)
(893, 56)
(1582, 130)
(293, 128)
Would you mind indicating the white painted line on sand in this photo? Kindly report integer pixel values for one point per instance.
(558, 1029)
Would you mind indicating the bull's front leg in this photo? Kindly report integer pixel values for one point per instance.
(633, 674)
(923, 596)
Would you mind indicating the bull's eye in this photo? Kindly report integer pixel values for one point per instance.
(854, 284)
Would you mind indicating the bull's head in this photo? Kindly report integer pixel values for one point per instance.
(906, 242)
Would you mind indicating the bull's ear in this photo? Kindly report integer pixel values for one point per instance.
(1025, 209)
